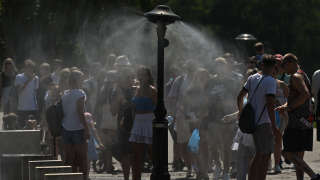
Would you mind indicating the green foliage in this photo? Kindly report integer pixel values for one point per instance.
(285, 26)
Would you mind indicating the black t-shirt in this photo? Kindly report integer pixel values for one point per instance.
(7, 80)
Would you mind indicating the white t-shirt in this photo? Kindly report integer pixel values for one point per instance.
(27, 99)
(268, 86)
(71, 119)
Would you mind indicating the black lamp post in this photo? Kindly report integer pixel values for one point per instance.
(161, 16)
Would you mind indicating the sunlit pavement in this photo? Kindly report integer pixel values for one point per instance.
(288, 173)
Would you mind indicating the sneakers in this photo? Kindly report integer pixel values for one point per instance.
(317, 177)
(287, 161)
(277, 169)
(280, 164)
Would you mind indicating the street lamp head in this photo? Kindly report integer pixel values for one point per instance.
(163, 14)
(246, 37)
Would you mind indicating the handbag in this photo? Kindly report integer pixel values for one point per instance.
(193, 144)
(247, 118)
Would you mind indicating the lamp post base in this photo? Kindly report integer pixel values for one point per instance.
(160, 150)
(160, 176)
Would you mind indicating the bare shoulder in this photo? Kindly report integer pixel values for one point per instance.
(296, 77)
(281, 83)
(297, 80)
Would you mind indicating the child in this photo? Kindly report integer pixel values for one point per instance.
(51, 97)
(92, 152)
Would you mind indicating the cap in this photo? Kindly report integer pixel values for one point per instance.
(278, 57)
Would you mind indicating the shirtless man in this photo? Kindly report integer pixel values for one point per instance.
(298, 137)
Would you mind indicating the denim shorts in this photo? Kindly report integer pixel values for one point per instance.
(73, 137)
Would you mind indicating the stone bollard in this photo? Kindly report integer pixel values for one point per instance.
(10, 168)
(20, 141)
(34, 164)
(32, 157)
(64, 176)
(41, 171)
(15, 166)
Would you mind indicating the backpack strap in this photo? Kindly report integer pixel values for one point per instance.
(260, 116)
(264, 108)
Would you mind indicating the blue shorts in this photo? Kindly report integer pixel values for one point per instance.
(73, 137)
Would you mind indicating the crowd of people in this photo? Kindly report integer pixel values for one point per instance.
(109, 106)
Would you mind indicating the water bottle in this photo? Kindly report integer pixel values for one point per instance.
(170, 120)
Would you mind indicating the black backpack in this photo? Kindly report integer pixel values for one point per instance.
(247, 122)
(54, 115)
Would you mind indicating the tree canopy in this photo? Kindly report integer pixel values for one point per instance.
(51, 27)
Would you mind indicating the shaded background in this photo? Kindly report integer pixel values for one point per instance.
(47, 29)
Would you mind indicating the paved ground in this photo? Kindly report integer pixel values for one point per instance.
(312, 158)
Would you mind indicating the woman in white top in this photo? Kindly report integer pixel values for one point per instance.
(75, 133)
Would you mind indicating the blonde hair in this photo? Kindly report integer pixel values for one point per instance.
(221, 60)
(9, 60)
(64, 79)
(45, 66)
(64, 73)
(75, 77)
